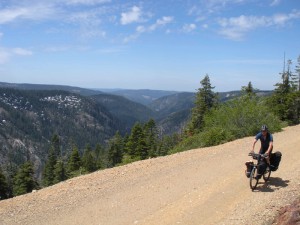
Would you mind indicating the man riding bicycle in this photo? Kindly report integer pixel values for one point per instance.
(266, 139)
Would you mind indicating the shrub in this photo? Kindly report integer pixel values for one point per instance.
(234, 119)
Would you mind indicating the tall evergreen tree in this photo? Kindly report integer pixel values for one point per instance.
(48, 176)
(297, 98)
(298, 72)
(115, 150)
(205, 100)
(168, 143)
(59, 172)
(3, 186)
(101, 157)
(136, 147)
(74, 162)
(248, 90)
(12, 170)
(151, 138)
(88, 160)
(24, 181)
(55, 143)
(285, 100)
(48, 173)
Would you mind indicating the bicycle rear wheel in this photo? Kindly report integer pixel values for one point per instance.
(253, 179)
(267, 174)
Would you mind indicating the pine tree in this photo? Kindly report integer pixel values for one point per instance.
(136, 147)
(88, 160)
(74, 162)
(3, 186)
(11, 173)
(298, 72)
(24, 181)
(59, 172)
(48, 176)
(297, 97)
(55, 143)
(248, 90)
(151, 138)
(168, 143)
(285, 100)
(48, 173)
(115, 150)
(101, 157)
(205, 100)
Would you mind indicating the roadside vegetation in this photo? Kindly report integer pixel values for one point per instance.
(211, 123)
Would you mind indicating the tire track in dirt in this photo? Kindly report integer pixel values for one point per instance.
(201, 186)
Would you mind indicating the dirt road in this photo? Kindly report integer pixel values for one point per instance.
(202, 186)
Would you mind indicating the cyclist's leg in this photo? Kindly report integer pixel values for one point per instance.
(261, 168)
(268, 159)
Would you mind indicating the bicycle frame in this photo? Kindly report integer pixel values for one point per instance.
(253, 175)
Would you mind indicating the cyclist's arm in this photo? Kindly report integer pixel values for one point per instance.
(270, 148)
(270, 145)
(256, 138)
(254, 142)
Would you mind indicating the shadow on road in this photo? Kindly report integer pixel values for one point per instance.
(274, 183)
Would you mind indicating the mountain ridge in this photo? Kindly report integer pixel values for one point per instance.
(31, 114)
(29, 119)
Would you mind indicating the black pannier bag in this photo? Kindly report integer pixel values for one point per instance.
(275, 159)
(249, 168)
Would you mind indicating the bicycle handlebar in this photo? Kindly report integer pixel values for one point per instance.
(257, 155)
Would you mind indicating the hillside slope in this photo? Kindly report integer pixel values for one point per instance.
(201, 186)
(29, 119)
(121, 108)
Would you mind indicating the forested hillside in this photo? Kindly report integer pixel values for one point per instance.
(127, 111)
(47, 87)
(29, 119)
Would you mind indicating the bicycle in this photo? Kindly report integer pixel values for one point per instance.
(253, 175)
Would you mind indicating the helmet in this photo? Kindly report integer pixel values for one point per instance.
(264, 128)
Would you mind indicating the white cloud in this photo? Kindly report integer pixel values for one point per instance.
(165, 20)
(161, 22)
(36, 12)
(236, 27)
(189, 27)
(205, 26)
(134, 15)
(207, 7)
(21, 52)
(6, 54)
(143, 29)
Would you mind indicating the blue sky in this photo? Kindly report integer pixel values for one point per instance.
(165, 45)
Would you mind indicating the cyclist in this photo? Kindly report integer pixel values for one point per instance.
(266, 139)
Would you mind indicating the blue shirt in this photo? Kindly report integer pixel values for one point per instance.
(265, 142)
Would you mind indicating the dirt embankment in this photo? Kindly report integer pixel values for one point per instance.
(201, 186)
(289, 215)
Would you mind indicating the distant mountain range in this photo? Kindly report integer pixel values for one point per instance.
(30, 114)
(143, 96)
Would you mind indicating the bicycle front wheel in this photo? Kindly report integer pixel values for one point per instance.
(253, 179)
(267, 174)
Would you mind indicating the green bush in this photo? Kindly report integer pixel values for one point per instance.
(215, 136)
(242, 117)
(188, 143)
(234, 119)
